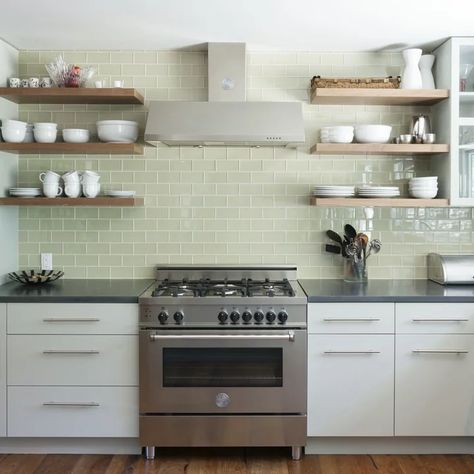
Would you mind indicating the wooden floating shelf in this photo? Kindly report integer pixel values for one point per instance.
(377, 149)
(61, 148)
(377, 202)
(341, 96)
(71, 95)
(91, 202)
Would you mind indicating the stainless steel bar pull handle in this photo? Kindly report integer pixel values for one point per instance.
(352, 352)
(71, 320)
(357, 320)
(440, 351)
(71, 404)
(442, 320)
(60, 351)
(290, 336)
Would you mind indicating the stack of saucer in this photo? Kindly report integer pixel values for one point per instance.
(334, 191)
(25, 192)
(423, 188)
(378, 191)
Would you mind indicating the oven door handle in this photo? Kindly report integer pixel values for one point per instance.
(290, 336)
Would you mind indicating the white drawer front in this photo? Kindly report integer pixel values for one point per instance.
(72, 318)
(350, 385)
(434, 385)
(434, 318)
(72, 360)
(73, 412)
(353, 318)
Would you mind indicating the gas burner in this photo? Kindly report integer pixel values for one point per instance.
(270, 288)
(177, 289)
(226, 289)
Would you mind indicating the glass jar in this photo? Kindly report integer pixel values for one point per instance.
(355, 270)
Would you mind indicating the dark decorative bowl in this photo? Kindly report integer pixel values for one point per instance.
(34, 278)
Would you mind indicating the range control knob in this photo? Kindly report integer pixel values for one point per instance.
(178, 317)
(163, 317)
(246, 316)
(258, 316)
(222, 317)
(271, 316)
(282, 317)
(234, 316)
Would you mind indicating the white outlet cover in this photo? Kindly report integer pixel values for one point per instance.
(46, 261)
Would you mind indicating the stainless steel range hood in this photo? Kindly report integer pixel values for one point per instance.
(227, 119)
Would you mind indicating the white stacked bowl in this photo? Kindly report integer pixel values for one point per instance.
(76, 135)
(423, 188)
(45, 132)
(372, 133)
(337, 134)
(13, 131)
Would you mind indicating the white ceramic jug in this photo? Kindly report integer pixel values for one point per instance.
(426, 63)
(411, 77)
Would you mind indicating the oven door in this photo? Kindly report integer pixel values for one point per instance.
(233, 371)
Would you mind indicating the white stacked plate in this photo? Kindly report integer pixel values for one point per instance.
(423, 188)
(334, 191)
(122, 194)
(25, 192)
(378, 191)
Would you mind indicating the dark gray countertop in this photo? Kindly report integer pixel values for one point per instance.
(75, 291)
(386, 291)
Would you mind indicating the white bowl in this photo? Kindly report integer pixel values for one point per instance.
(76, 135)
(13, 123)
(372, 133)
(45, 135)
(121, 131)
(13, 134)
(46, 125)
(424, 194)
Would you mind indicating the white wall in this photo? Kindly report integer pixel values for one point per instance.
(8, 170)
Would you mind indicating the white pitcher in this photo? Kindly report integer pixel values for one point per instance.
(411, 77)
(426, 63)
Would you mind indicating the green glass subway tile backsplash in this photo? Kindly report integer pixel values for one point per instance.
(228, 205)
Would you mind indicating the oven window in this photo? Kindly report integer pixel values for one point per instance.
(222, 367)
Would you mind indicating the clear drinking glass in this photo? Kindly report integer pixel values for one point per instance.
(355, 270)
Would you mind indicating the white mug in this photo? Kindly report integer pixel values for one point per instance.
(72, 190)
(91, 190)
(14, 82)
(34, 82)
(71, 177)
(49, 176)
(45, 82)
(118, 83)
(99, 84)
(52, 190)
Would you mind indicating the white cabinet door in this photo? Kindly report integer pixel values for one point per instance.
(350, 385)
(3, 369)
(94, 412)
(434, 393)
(72, 360)
(350, 318)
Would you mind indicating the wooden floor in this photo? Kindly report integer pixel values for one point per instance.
(238, 461)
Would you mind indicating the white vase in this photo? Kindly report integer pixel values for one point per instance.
(411, 77)
(426, 63)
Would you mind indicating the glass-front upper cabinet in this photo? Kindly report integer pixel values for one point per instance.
(454, 120)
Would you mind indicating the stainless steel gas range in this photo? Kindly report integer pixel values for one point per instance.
(223, 358)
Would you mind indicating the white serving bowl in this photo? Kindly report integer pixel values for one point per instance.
(372, 133)
(121, 131)
(13, 134)
(45, 135)
(76, 135)
(423, 194)
(13, 123)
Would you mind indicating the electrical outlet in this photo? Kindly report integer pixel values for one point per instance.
(46, 261)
